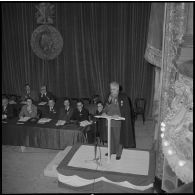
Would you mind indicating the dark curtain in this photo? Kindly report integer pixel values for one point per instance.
(153, 52)
(102, 42)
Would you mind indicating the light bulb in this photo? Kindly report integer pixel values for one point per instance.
(162, 129)
(170, 152)
(166, 143)
(162, 135)
(181, 163)
(162, 124)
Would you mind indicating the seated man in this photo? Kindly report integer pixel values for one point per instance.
(29, 93)
(80, 113)
(66, 112)
(7, 109)
(28, 110)
(100, 108)
(45, 95)
(50, 111)
(101, 123)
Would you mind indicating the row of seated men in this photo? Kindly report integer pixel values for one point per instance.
(66, 112)
(43, 96)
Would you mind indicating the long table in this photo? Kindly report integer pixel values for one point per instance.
(47, 135)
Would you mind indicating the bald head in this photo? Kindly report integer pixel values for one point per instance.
(114, 88)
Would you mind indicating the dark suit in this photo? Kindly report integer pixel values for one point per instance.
(65, 114)
(46, 97)
(49, 113)
(127, 133)
(8, 110)
(91, 108)
(80, 116)
(101, 127)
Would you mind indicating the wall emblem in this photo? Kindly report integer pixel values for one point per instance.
(46, 40)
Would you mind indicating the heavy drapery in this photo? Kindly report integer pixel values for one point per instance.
(177, 57)
(153, 52)
(102, 42)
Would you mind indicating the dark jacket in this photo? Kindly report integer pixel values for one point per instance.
(9, 111)
(65, 115)
(80, 116)
(127, 133)
(47, 113)
(91, 108)
(45, 98)
(101, 130)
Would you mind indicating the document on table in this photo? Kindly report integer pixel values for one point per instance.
(60, 122)
(23, 119)
(111, 117)
(19, 123)
(44, 120)
(85, 123)
(12, 102)
(42, 103)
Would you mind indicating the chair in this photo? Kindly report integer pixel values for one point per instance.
(94, 99)
(86, 101)
(140, 105)
(74, 102)
(39, 113)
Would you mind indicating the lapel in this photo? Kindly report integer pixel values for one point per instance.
(120, 101)
(5, 110)
(67, 111)
(81, 113)
(53, 110)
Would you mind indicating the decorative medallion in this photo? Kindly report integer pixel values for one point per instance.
(46, 42)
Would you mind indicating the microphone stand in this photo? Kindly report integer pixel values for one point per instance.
(95, 159)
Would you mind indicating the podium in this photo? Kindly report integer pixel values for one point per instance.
(109, 118)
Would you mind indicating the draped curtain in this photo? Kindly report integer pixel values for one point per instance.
(102, 42)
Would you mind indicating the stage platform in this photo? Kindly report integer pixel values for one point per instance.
(133, 173)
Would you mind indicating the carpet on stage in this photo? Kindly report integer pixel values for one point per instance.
(135, 170)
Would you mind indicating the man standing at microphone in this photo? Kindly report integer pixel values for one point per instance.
(122, 132)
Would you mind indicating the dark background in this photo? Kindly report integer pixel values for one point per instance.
(102, 42)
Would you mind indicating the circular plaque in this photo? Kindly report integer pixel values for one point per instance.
(46, 42)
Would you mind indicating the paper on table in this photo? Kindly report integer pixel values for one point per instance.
(12, 102)
(24, 119)
(44, 120)
(18, 123)
(42, 103)
(113, 117)
(60, 122)
(85, 123)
